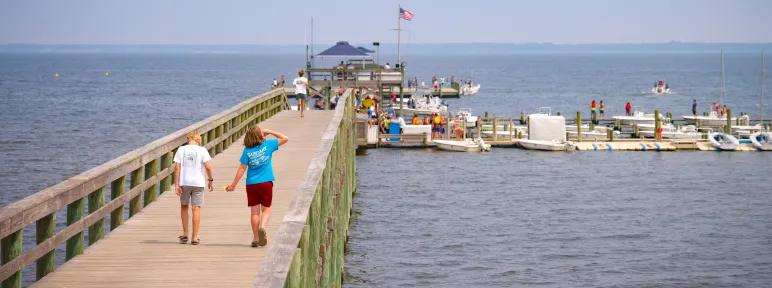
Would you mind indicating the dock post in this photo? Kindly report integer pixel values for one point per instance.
(425, 142)
(486, 114)
(117, 188)
(44, 229)
(560, 114)
(578, 122)
(522, 117)
(166, 162)
(635, 130)
(11, 248)
(657, 126)
(401, 99)
(592, 123)
(74, 246)
(617, 125)
(669, 116)
(610, 135)
(510, 129)
(151, 169)
(478, 125)
(95, 201)
(495, 134)
(137, 177)
(729, 121)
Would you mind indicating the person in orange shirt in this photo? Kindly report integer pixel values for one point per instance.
(415, 120)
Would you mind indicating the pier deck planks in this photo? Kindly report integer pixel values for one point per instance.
(144, 252)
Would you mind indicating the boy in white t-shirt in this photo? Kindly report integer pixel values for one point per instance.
(191, 162)
(300, 91)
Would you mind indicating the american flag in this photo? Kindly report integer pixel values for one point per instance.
(404, 14)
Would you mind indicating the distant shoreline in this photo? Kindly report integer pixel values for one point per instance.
(389, 48)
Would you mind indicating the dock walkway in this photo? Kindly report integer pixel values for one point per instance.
(144, 252)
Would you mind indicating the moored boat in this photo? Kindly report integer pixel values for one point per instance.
(723, 141)
(762, 140)
(466, 145)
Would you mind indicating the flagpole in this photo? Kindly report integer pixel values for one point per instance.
(399, 36)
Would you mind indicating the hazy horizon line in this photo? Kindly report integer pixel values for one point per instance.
(394, 43)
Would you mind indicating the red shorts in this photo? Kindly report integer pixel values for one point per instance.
(260, 194)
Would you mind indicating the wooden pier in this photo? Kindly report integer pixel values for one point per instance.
(306, 234)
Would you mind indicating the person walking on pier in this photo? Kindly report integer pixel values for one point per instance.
(282, 81)
(256, 160)
(300, 91)
(192, 161)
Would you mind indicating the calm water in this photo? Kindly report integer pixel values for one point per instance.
(506, 218)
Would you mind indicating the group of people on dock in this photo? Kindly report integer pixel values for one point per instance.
(277, 83)
(436, 82)
(602, 109)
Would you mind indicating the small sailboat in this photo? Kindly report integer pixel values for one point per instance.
(723, 141)
(466, 145)
(762, 140)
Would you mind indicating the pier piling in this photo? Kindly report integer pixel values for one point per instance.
(578, 126)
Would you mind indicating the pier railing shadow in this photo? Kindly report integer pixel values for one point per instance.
(147, 169)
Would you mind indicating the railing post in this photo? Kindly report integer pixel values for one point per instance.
(44, 229)
(137, 177)
(151, 193)
(74, 214)
(117, 188)
(227, 141)
(495, 133)
(11, 248)
(166, 162)
(211, 137)
(578, 122)
(95, 201)
(217, 134)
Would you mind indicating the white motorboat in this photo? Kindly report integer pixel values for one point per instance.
(639, 117)
(546, 133)
(667, 127)
(711, 120)
(423, 105)
(465, 114)
(687, 132)
(547, 145)
(660, 88)
(469, 88)
(466, 145)
(723, 141)
(762, 140)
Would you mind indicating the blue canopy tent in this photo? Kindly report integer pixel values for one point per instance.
(345, 50)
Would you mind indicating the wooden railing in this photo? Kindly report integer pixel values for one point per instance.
(308, 251)
(148, 170)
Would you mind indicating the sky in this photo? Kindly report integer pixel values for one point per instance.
(206, 22)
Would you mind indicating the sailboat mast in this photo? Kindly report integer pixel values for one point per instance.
(399, 36)
(763, 80)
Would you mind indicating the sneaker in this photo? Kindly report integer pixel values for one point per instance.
(254, 243)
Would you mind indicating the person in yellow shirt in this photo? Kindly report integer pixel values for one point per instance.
(416, 120)
(437, 129)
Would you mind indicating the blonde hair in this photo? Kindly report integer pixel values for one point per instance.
(254, 137)
(300, 73)
(194, 136)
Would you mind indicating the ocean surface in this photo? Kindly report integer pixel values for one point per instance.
(508, 218)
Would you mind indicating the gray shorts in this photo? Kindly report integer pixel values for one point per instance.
(192, 195)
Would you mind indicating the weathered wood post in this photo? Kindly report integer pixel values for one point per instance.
(657, 126)
(486, 114)
(75, 243)
(592, 124)
(478, 125)
(166, 163)
(635, 130)
(95, 201)
(135, 204)
(522, 117)
(578, 122)
(510, 129)
(150, 194)
(495, 133)
(617, 125)
(44, 229)
(728, 121)
(11, 248)
(425, 142)
(217, 135)
(560, 114)
(117, 189)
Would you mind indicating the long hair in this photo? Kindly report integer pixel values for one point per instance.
(195, 137)
(254, 137)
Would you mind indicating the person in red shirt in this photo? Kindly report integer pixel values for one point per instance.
(592, 108)
(627, 109)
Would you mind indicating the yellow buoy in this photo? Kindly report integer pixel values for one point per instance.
(56, 75)
(107, 74)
